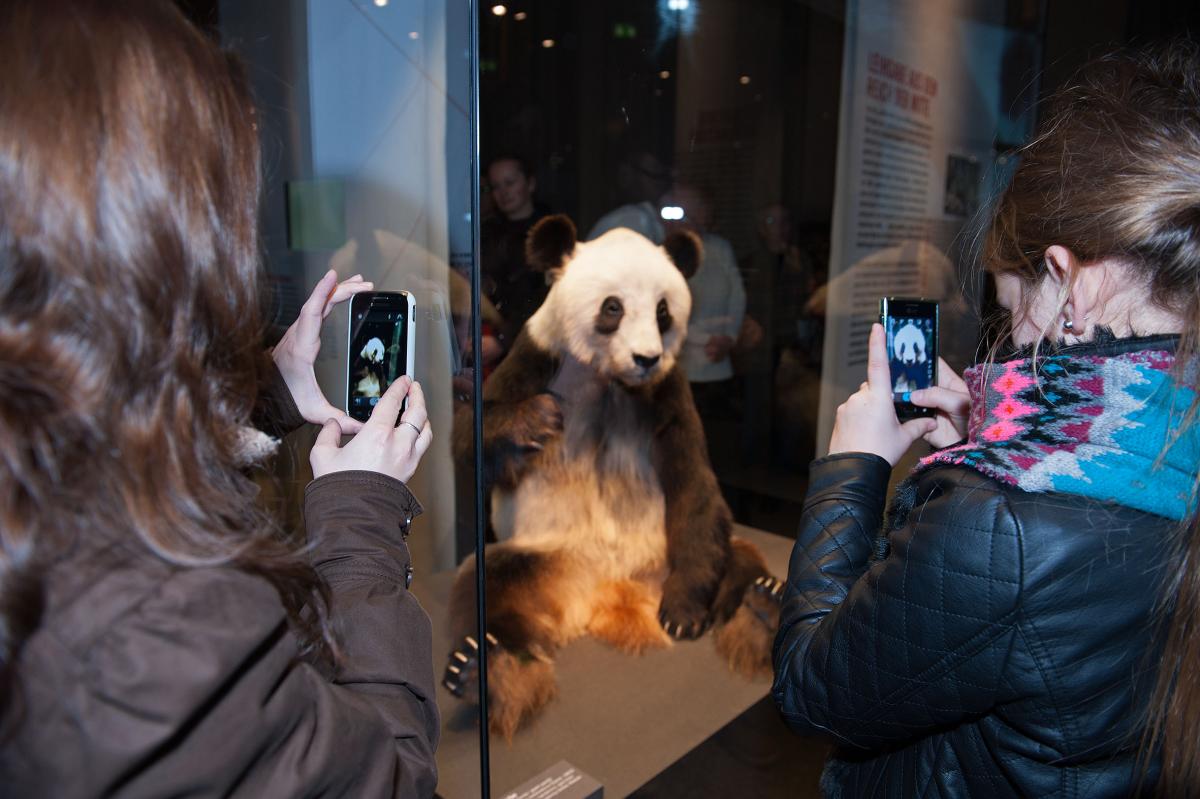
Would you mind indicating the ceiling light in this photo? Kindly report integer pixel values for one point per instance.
(744, 80)
(666, 73)
(381, 3)
(547, 43)
(414, 35)
(499, 10)
(520, 16)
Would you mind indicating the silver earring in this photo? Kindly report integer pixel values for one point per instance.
(1068, 325)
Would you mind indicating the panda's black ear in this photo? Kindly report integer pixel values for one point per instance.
(550, 243)
(685, 250)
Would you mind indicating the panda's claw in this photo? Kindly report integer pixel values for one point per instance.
(463, 664)
(681, 630)
(770, 587)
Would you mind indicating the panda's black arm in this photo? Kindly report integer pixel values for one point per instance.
(518, 414)
(697, 519)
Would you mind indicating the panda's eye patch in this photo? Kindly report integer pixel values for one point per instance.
(609, 318)
(664, 316)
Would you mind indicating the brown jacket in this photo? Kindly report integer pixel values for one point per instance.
(146, 679)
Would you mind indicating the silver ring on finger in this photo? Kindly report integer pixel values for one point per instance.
(410, 424)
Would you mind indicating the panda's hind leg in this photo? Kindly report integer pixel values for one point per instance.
(625, 615)
(747, 611)
(525, 627)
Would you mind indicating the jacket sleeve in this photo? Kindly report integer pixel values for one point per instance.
(875, 653)
(275, 412)
(199, 690)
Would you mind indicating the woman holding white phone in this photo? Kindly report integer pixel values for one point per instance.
(159, 635)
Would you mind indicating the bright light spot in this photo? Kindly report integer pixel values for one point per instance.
(672, 212)
(666, 73)
(547, 43)
(678, 5)
(744, 80)
(520, 16)
(414, 35)
(499, 10)
(381, 3)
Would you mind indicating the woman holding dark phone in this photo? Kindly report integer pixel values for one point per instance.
(1022, 621)
(159, 635)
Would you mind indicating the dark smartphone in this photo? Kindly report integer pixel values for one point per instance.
(911, 328)
(380, 347)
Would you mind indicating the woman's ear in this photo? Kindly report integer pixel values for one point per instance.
(1080, 285)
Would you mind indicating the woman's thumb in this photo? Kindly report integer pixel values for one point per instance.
(330, 435)
(917, 428)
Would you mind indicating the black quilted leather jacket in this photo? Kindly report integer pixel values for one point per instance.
(998, 643)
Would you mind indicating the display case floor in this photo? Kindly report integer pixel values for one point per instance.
(622, 719)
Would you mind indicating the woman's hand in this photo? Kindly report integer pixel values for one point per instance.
(381, 446)
(296, 352)
(867, 421)
(953, 403)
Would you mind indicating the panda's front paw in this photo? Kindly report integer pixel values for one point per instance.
(683, 615)
(534, 422)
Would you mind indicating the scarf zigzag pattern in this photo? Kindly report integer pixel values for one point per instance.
(1083, 424)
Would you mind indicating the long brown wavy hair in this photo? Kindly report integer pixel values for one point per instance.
(1115, 173)
(130, 326)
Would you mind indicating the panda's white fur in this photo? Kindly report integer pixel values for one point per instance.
(600, 500)
(626, 265)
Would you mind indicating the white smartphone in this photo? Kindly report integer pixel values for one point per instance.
(381, 343)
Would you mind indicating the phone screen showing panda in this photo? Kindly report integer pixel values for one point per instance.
(911, 327)
(378, 348)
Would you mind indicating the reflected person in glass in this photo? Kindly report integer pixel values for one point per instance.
(515, 289)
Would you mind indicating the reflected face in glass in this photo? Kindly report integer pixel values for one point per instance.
(1030, 314)
(775, 228)
(511, 190)
(650, 179)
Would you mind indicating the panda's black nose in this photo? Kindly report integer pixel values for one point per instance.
(646, 361)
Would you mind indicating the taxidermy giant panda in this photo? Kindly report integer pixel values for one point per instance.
(608, 516)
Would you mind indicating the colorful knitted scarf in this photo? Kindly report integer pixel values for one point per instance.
(1088, 424)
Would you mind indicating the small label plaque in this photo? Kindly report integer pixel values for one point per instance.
(560, 781)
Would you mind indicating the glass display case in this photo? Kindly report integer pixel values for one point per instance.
(822, 153)
(826, 154)
(367, 124)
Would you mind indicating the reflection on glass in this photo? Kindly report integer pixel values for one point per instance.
(826, 154)
(368, 148)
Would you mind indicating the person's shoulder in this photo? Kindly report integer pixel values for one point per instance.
(1051, 526)
(955, 496)
(141, 596)
(639, 217)
(942, 477)
(718, 246)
